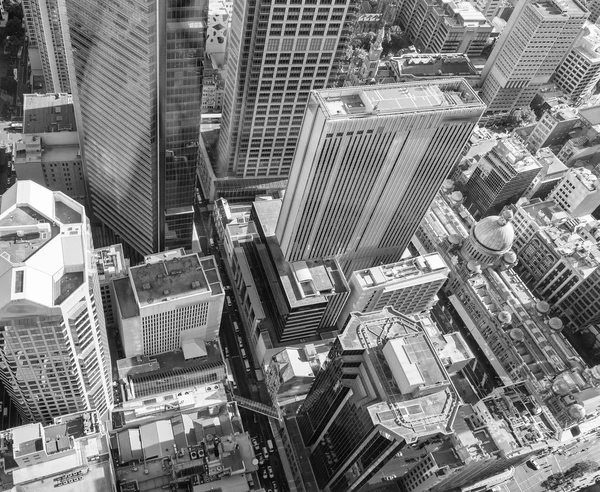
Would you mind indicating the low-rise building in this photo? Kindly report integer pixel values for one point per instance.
(171, 300)
(578, 192)
(553, 128)
(71, 454)
(502, 176)
(552, 171)
(111, 264)
(422, 66)
(409, 286)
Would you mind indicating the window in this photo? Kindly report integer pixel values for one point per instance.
(19, 279)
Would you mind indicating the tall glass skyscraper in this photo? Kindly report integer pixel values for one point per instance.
(136, 74)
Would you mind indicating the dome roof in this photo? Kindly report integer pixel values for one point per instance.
(495, 233)
(510, 256)
(456, 196)
(576, 411)
(542, 306)
(454, 239)
(517, 334)
(555, 323)
(504, 317)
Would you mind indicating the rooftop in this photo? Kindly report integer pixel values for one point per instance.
(418, 397)
(514, 153)
(435, 64)
(402, 270)
(47, 113)
(397, 98)
(110, 262)
(174, 277)
(546, 157)
(303, 282)
(560, 7)
(591, 114)
(585, 177)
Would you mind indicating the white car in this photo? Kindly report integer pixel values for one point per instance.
(255, 444)
(271, 474)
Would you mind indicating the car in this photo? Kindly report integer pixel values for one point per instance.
(265, 474)
(261, 460)
(271, 474)
(265, 452)
(243, 352)
(533, 464)
(275, 489)
(228, 301)
(240, 342)
(270, 446)
(255, 443)
(236, 327)
(583, 450)
(226, 352)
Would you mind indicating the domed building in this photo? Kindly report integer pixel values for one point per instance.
(490, 240)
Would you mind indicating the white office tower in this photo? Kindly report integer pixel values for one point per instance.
(54, 350)
(369, 161)
(530, 48)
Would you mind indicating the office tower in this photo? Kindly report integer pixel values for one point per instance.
(578, 192)
(49, 153)
(55, 351)
(502, 176)
(277, 53)
(383, 389)
(553, 170)
(533, 43)
(136, 74)
(173, 301)
(409, 286)
(45, 30)
(446, 27)
(304, 297)
(369, 162)
(579, 72)
(553, 128)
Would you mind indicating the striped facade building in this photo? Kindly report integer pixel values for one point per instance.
(368, 164)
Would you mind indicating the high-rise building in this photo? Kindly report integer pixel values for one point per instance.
(173, 301)
(409, 286)
(502, 175)
(369, 162)
(446, 26)
(110, 265)
(277, 54)
(579, 73)
(54, 352)
(533, 43)
(46, 41)
(136, 74)
(553, 170)
(578, 192)
(383, 389)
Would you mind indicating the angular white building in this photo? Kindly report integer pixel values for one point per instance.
(54, 352)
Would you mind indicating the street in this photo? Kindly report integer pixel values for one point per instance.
(256, 424)
(528, 480)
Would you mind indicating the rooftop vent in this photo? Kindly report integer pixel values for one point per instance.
(166, 292)
(146, 286)
(195, 284)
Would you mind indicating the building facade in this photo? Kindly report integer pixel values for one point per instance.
(579, 73)
(502, 175)
(140, 161)
(55, 349)
(446, 27)
(172, 299)
(355, 418)
(45, 30)
(278, 53)
(552, 171)
(110, 265)
(533, 43)
(577, 192)
(367, 152)
(552, 129)
(409, 286)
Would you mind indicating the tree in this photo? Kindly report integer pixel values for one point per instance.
(521, 117)
(553, 481)
(580, 468)
(9, 84)
(363, 40)
(14, 28)
(14, 11)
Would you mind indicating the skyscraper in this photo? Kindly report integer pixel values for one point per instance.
(44, 26)
(369, 162)
(136, 74)
(531, 46)
(54, 351)
(383, 389)
(278, 52)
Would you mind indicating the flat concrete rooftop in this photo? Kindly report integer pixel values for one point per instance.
(173, 278)
(397, 98)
